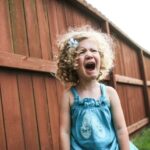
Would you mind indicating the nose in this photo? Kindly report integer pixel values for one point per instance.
(89, 55)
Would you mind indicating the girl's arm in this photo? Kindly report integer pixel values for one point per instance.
(118, 119)
(65, 122)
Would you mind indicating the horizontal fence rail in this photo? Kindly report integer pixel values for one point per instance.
(26, 63)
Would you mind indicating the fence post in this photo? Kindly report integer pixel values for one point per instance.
(106, 28)
(145, 87)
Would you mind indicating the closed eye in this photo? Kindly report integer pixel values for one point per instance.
(94, 50)
(81, 51)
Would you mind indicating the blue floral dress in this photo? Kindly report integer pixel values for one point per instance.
(91, 124)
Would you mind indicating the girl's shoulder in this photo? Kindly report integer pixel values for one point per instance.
(68, 96)
(110, 92)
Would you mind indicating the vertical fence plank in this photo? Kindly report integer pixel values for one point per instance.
(5, 30)
(53, 26)
(139, 104)
(130, 99)
(28, 111)
(119, 63)
(130, 59)
(18, 27)
(68, 14)
(3, 141)
(44, 29)
(53, 110)
(32, 28)
(11, 110)
(121, 89)
(62, 23)
(112, 81)
(146, 60)
(41, 104)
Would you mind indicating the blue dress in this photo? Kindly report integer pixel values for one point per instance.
(91, 124)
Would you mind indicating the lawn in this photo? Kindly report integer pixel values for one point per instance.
(142, 139)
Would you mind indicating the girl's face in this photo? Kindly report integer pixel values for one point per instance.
(88, 60)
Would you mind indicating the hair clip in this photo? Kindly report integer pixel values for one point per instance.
(72, 43)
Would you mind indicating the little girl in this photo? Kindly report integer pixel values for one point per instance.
(91, 117)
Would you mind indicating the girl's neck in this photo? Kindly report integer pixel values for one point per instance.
(87, 85)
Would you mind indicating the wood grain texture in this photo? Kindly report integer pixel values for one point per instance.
(32, 29)
(28, 111)
(42, 110)
(44, 31)
(53, 26)
(5, 28)
(12, 111)
(53, 106)
(18, 27)
(27, 63)
(3, 144)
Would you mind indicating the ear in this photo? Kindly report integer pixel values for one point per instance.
(75, 66)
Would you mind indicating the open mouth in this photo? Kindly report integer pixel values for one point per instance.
(90, 66)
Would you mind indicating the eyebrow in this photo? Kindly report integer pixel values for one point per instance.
(80, 48)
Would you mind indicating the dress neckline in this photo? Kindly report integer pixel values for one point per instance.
(77, 96)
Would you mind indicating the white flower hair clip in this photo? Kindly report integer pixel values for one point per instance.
(72, 43)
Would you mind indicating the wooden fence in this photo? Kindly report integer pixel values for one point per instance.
(30, 94)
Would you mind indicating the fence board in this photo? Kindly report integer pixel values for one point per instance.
(122, 95)
(128, 80)
(132, 100)
(5, 38)
(28, 111)
(53, 110)
(147, 65)
(3, 143)
(128, 56)
(53, 26)
(68, 14)
(26, 63)
(119, 63)
(42, 110)
(44, 29)
(136, 126)
(18, 27)
(11, 110)
(32, 29)
(60, 10)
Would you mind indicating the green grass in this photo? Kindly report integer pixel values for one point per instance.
(142, 139)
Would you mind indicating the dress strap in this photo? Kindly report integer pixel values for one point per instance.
(103, 90)
(104, 95)
(74, 92)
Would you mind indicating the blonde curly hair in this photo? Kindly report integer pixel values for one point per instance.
(66, 71)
